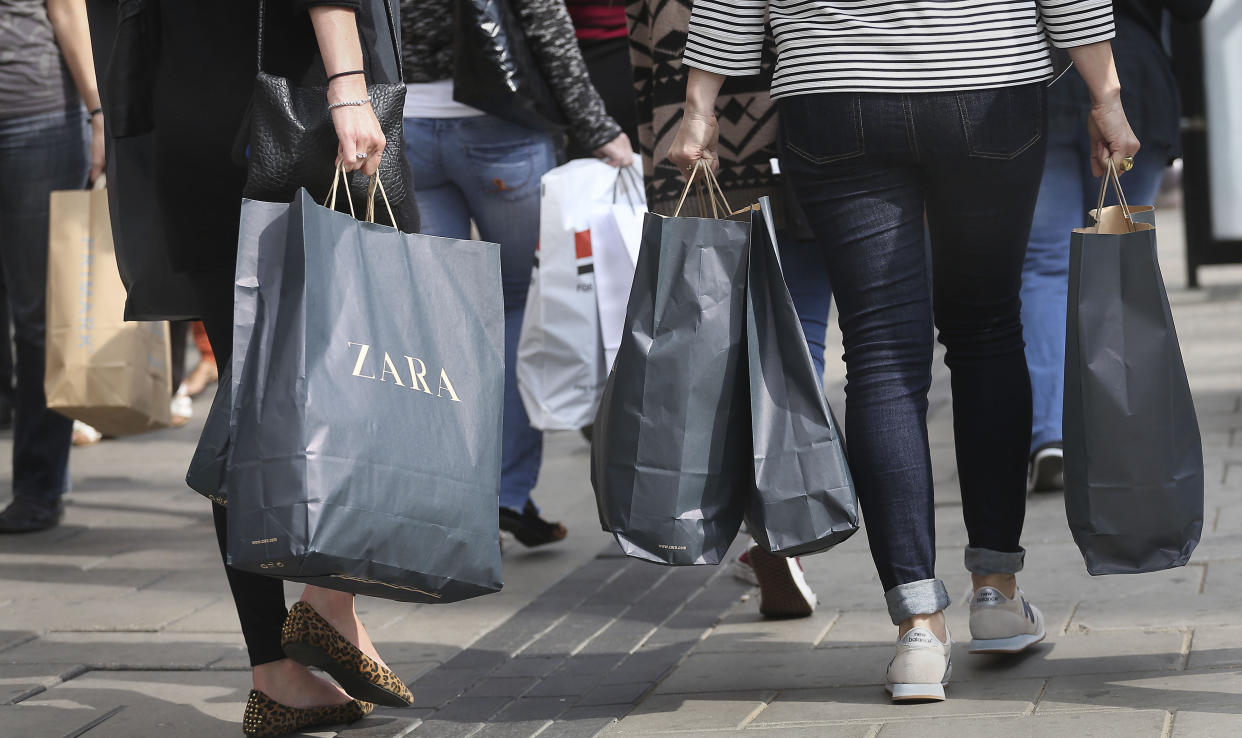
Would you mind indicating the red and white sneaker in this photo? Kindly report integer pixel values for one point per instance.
(783, 591)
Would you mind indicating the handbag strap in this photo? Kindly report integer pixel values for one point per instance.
(392, 35)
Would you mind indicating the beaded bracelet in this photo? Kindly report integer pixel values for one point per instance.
(348, 103)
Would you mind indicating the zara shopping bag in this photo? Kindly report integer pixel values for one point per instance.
(1133, 454)
(803, 497)
(367, 383)
(670, 461)
(113, 375)
(560, 361)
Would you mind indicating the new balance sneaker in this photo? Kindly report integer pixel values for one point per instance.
(783, 591)
(1046, 472)
(921, 668)
(1002, 625)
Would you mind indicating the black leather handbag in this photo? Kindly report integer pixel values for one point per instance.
(494, 71)
(293, 142)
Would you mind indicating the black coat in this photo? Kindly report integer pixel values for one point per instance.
(178, 82)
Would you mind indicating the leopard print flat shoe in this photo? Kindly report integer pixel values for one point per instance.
(310, 640)
(265, 717)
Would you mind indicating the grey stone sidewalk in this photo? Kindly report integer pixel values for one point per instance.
(119, 623)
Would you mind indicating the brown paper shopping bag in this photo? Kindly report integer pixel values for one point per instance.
(113, 375)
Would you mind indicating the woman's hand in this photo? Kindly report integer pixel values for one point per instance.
(1111, 135)
(696, 139)
(357, 129)
(98, 148)
(617, 152)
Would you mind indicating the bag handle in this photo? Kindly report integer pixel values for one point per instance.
(1112, 176)
(392, 33)
(375, 184)
(714, 193)
(330, 201)
(628, 183)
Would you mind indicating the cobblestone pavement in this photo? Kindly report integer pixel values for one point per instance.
(119, 622)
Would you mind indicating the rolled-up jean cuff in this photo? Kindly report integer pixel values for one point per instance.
(987, 561)
(923, 597)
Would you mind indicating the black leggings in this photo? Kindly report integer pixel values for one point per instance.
(260, 600)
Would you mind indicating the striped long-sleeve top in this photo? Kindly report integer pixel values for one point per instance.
(892, 46)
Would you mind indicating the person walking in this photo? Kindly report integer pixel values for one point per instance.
(51, 138)
(473, 167)
(885, 120)
(207, 51)
(1069, 190)
(605, 46)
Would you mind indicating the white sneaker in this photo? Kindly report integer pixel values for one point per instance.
(1046, 472)
(181, 407)
(1001, 625)
(921, 668)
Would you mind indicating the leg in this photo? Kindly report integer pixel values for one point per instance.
(806, 274)
(260, 600)
(1045, 273)
(51, 150)
(979, 210)
(866, 211)
(497, 166)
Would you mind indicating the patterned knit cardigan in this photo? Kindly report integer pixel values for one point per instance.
(746, 115)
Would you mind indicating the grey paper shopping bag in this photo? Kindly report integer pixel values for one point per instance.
(803, 497)
(367, 387)
(1133, 455)
(670, 461)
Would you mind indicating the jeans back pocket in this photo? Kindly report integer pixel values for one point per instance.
(1004, 122)
(821, 128)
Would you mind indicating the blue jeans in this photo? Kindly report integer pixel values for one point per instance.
(38, 154)
(806, 275)
(866, 168)
(1067, 192)
(487, 170)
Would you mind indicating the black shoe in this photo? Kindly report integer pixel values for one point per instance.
(530, 529)
(1047, 470)
(27, 516)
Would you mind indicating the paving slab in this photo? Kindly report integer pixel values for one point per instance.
(1192, 724)
(1210, 690)
(1213, 647)
(998, 697)
(704, 711)
(1138, 724)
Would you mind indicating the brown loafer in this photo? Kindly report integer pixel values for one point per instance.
(310, 640)
(266, 717)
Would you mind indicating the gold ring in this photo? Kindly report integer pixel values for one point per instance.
(1127, 163)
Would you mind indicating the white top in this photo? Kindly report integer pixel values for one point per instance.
(890, 46)
(435, 100)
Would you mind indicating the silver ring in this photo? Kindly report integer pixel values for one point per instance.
(360, 155)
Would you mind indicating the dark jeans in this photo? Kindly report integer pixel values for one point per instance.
(867, 169)
(38, 154)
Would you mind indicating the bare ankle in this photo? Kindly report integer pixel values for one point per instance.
(933, 622)
(328, 602)
(1007, 584)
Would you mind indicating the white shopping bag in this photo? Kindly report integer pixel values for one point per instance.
(616, 232)
(560, 359)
